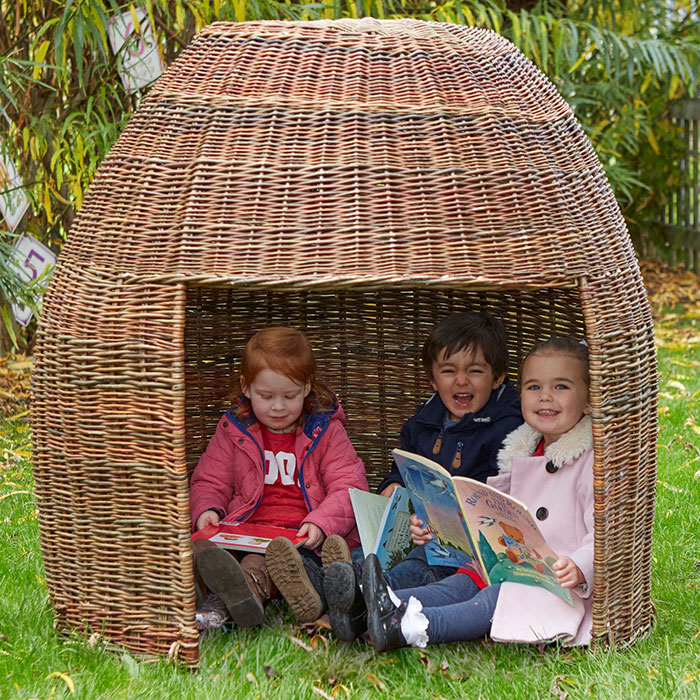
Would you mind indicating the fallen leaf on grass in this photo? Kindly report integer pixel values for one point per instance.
(323, 622)
(555, 689)
(677, 385)
(671, 487)
(301, 643)
(64, 677)
(314, 641)
(319, 691)
(12, 493)
(250, 677)
(271, 672)
(375, 681)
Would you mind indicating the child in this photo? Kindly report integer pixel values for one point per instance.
(280, 456)
(463, 425)
(548, 464)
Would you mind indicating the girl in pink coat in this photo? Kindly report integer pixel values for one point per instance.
(280, 456)
(548, 464)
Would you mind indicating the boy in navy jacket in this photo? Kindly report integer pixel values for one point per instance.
(463, 425)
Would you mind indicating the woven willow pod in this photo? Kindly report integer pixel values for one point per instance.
(358, 180)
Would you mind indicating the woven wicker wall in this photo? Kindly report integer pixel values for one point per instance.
(358, 180)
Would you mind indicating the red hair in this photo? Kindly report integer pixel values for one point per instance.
(285, 351)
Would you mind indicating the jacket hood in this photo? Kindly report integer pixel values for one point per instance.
(523, 441)
(503, 402)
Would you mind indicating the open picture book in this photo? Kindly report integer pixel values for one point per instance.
(246, 537)
(477, 526)
(383, 523)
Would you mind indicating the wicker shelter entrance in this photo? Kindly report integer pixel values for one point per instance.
(359, 180)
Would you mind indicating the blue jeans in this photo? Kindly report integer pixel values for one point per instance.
(412, 570)
(455, 607)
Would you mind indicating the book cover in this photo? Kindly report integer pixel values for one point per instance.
(246, 537)
(436, 503)
(477, 525)
(511, 545)
(383, 524)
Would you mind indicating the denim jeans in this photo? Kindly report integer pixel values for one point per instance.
(412, 570)
(455, 607)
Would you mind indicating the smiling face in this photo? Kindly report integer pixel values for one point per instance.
(464, 381)
(277, 400)
(554, 393)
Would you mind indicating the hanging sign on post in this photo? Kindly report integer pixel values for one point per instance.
(32, 258)
(13, 200)
(137, 52)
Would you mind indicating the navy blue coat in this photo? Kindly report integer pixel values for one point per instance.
(468, 448)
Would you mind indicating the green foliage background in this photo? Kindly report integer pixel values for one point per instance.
(619, 63)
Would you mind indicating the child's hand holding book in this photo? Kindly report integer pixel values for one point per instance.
(419, 535)
(567, 573)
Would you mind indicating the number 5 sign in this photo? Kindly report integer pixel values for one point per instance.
(31, 258)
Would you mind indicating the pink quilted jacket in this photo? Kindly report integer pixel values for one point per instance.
(229, 475)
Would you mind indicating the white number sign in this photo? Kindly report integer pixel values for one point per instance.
(13, 200)
(32, 259)
(139, 61)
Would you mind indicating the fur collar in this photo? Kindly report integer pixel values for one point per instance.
(523, 441)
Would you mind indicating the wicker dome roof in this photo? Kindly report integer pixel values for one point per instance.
(352, 151)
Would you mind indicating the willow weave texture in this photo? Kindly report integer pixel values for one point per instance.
(359, 180)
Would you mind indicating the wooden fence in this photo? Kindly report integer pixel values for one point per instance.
(680, 227)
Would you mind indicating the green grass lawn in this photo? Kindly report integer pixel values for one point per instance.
(281, 660)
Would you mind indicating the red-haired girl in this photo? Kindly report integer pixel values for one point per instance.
(280, 456)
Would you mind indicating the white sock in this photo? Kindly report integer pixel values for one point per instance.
(414, 624)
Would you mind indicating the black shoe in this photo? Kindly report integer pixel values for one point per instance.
(383, 617)
(346, 606)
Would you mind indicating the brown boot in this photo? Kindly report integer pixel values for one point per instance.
(299, 581)
(259, 580)
(224, 576)
(200, 588)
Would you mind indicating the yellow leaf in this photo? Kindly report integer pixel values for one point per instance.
(64, 677)
(47, 204)
(301, 643)
(695, 429)
(375, 681)
(322, 693)
(677, 385)
(316, 639)
(578, 63)
(251, 678)
(652, 141)
(23, 364)
(39, 57)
